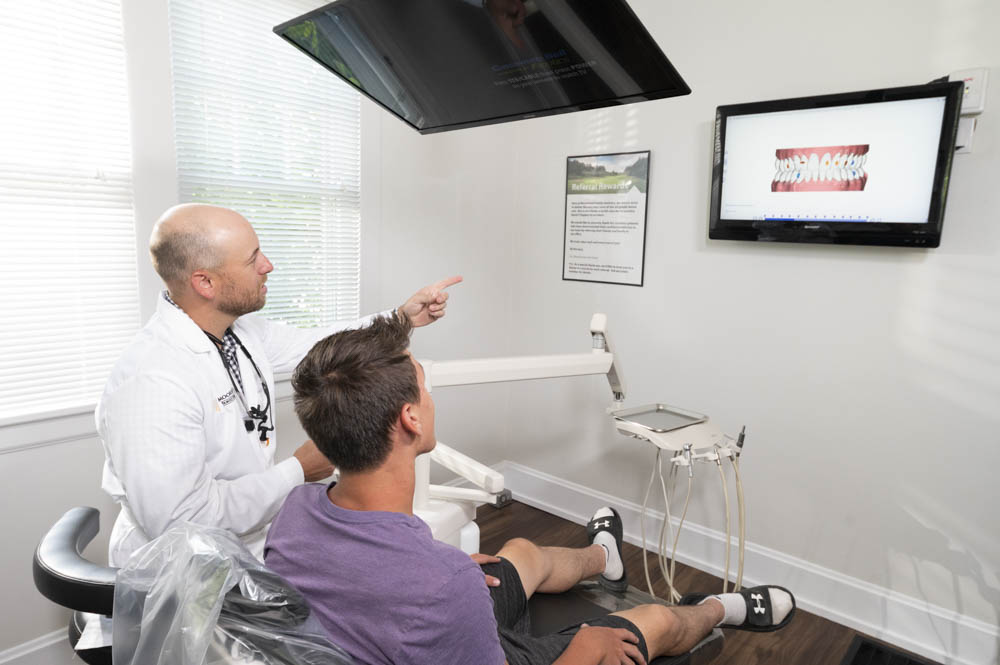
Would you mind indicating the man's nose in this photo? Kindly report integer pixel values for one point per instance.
(268, 266)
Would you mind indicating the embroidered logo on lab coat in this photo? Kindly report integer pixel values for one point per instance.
(228, 398)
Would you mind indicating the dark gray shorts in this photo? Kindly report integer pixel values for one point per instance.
(510, 607)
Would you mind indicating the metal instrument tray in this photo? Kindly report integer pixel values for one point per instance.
(659, 417)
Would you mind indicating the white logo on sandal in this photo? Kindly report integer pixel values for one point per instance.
(605, 524)
(759, 608)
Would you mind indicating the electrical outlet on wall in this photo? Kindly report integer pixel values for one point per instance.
(974, 99)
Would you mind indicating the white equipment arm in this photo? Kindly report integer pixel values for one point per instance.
(601, 360)
(494, 370)
(518, 368)
(479, 474)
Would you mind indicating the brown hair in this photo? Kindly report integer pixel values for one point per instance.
(350, 389)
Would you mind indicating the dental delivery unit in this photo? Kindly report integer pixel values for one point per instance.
(681, 439)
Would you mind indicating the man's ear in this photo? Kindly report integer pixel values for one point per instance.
(409, 420)
(204, 284)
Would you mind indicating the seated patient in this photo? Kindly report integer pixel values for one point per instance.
(387, 592)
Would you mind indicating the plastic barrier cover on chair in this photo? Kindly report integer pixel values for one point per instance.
(196, 596)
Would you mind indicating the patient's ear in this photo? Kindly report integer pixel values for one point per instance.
(409, 419)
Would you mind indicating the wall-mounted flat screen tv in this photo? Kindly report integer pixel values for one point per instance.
(863, 168)
(449, 64)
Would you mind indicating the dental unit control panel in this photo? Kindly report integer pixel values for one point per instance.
(681, 439)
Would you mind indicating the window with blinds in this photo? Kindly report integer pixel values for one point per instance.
(263, 130)
(68, 290)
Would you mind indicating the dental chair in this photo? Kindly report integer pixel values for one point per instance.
(65, 577)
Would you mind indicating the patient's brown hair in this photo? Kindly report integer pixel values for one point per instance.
(350, 389)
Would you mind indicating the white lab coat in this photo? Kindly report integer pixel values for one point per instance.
(174, 440)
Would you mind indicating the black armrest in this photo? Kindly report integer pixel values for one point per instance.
(62, 574)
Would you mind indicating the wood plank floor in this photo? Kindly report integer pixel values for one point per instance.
(807, 640)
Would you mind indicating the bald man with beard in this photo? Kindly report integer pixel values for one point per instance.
(187, 415)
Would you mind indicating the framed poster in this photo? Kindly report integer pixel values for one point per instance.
(605, 224)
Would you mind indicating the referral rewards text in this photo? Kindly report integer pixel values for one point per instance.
(596, 187)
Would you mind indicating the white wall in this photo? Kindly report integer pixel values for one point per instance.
(867, 377)
(42, 478)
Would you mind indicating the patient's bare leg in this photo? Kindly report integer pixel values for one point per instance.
(671, 631)
(668, 631)
(552, 569)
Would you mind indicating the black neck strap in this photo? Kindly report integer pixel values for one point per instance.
(255, 412)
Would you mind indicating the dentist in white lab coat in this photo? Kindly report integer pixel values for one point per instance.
(187, 415)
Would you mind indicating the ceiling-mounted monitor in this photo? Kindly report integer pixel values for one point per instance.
(448, 64)
(863, 168)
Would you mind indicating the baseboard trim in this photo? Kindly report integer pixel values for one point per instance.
(909, 623)
(15, 653)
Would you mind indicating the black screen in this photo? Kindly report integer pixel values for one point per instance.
(448, 64)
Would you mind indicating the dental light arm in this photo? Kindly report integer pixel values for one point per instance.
(516, 368)
(601, 360)
(443, 374)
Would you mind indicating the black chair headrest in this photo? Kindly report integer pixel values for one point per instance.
(62, 574)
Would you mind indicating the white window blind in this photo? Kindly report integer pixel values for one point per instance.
(263, 130)
(68, 292)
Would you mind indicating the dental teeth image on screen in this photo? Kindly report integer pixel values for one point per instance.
(834, 168)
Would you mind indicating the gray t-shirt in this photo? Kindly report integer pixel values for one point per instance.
(383, 588)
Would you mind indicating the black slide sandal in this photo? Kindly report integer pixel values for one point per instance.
(613, 525)
(759, 618)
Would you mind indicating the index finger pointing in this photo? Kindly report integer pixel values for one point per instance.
(445, 283)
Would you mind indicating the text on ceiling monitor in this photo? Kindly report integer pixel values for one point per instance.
(448, 64)
(866, 168)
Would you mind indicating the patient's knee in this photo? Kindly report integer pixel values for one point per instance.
(659, 626)
(532, 566)
(660, 615)
(521, 546)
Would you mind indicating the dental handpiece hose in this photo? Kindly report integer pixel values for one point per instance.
(742, 506)
(729, 535)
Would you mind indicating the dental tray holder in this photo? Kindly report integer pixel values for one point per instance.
(670, 428)
(687, 437)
